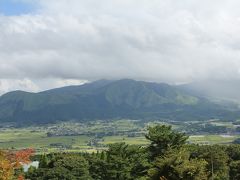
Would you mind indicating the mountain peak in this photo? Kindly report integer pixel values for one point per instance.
(103, 99)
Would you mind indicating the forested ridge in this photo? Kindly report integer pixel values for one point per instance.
(167, 157)
(110, 100)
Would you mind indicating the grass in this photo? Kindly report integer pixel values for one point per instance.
(212, 139)
(37, 137)
(225, 124)
(128, 140)
(24, 139)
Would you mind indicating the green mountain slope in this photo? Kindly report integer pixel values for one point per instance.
(108, 99)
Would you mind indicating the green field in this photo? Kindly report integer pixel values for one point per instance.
(212, 139)
(97, 135)
(128, 140)
(23, 138)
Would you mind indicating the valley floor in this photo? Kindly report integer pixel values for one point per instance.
(94, 136)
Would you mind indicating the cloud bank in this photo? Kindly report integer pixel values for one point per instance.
(159, 40)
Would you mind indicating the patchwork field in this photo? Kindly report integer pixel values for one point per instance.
(38, 140)
(97, 135)
(212, 139)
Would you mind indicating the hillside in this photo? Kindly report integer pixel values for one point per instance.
(109, 99)
(218, 90)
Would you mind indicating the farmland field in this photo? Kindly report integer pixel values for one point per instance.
(212, 139)
(97, 135)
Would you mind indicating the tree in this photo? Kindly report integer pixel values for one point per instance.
(163, 138)
(233, 152)
(234, 172)
(11, 162)
(6, 169)
(44, 161)
(126, 162)
(217, 159)
(62, 166)
(120, 162)
(98, 167)
(177, 165)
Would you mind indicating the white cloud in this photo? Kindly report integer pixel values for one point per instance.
(28, 85)
(17, 84)
(173, 41)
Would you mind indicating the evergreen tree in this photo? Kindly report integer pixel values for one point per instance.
(234, 170)
(177, 165)
(217, 159)
(163, 138)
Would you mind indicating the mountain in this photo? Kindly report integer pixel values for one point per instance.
(106, 99)
(219, 90)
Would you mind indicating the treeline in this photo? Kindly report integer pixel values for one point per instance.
(167, 157)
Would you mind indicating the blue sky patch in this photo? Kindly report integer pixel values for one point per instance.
(16, 7)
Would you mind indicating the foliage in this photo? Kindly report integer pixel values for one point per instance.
(217, 159)
(11, 162)
(62, 166)
(176, 164)
(163, 138)
(167, 157)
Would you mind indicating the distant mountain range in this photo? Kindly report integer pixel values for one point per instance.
(105, 99)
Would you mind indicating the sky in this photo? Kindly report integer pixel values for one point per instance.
(15, 7)
(51, 43)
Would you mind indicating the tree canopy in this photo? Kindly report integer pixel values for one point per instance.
(167, 157)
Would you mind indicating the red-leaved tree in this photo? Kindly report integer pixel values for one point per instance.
(10, 161)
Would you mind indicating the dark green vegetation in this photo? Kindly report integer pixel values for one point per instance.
(167, 156)
(107, 100)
